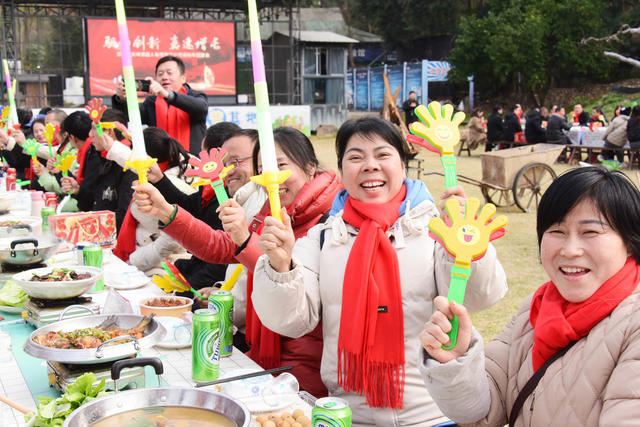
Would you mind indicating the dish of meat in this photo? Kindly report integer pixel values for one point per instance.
(91, 337)
(73, 340)
(60, 275)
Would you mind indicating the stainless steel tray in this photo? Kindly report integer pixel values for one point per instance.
(154, 333)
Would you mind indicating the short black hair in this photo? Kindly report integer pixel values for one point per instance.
(24, 117)
(412, 92)
(612, 192)
(370, 127)
(217, 134)
(296, 146)
(168, 58)
(113, 115)
(77, 124)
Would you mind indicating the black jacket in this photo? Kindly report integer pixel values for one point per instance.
(105, 186)
(555, 125)
(495, 128)
(198, 273)
(633, 130)
(584, 119)
(533, 130)
(511, 126)
(193, 102)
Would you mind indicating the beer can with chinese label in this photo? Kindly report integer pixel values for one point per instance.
(45, 213)
(331, 412)
(223, 302)
(205, 347)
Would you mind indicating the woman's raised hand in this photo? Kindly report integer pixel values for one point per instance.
(277, 241)
(456, 192)
(154, 173)
(150, 201)
(234, 221)
(434, 335)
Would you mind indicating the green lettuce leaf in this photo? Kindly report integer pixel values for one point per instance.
(12, 295)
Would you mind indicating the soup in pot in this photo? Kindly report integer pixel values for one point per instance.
(168, 416)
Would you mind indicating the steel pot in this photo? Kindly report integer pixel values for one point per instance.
(105, 353)
(122, 402)
(28, 250)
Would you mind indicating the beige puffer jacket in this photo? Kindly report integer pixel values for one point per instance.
(616, 132)
(293, 303)
(596, 383)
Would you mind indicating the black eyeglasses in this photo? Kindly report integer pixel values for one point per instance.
(235, 161)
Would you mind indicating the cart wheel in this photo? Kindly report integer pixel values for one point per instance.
(530, 183)
(499, 197)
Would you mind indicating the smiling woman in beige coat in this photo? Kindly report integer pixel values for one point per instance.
(583, 325)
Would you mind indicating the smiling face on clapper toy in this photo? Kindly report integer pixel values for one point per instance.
(440, 127)
(210, 165)
(467, 239)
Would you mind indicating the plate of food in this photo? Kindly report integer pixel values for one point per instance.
(57, 282)
(94, 338)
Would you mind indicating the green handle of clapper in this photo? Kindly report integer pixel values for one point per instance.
(457, 288)
(99, 129)
(450, 171)
(221, 194)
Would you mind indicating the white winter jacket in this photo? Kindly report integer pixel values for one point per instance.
(293, 303)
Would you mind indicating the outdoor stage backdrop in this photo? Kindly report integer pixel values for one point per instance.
(207, 49)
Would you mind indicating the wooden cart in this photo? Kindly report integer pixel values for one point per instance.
(523, 172)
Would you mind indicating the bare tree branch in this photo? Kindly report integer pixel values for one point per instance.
(625, 29)
(626, 59)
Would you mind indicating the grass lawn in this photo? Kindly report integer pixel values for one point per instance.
(517, 250)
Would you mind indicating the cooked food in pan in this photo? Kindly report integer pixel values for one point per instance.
(60, 275)
(91, 337)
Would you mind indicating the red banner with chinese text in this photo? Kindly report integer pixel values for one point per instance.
(207, 49)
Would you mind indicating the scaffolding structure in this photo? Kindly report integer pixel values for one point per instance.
(28, 46)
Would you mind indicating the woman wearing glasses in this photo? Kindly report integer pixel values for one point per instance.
(307, 196)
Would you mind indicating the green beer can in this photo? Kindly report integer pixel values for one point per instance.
(45, 213)
(205, 348)
(223, 302)
(92, 256)
(331, 412)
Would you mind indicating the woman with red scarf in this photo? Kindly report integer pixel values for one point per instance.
(307, 196)
(369, 276)
(587, 316)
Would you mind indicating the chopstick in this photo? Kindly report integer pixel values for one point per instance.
(241, 377)
(14, 405)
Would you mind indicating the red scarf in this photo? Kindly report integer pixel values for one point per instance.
(208, 193)
(371, 341)
(562, 322)
(126, 243)
(81, 159)
(173, 120)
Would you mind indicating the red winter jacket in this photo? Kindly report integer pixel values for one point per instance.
(215, 246)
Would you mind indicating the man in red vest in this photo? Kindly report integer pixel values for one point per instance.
(171, 105)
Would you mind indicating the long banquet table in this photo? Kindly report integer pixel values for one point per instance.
(23, 378)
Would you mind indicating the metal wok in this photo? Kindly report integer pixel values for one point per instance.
(29, 250)
(105, 353)
(122, 402)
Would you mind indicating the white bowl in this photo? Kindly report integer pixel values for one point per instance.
(57, 290)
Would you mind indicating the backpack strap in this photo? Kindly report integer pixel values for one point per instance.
(323, 219)
(531, 385)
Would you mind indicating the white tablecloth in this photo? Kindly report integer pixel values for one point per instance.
(177, 362)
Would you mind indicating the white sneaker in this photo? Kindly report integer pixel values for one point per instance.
(600, 158)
